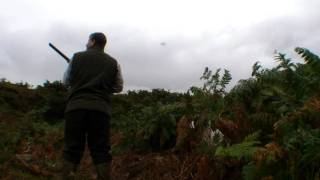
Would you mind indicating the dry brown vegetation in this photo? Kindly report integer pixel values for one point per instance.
(267, 127)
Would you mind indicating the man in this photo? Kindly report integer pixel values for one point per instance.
(92, 76)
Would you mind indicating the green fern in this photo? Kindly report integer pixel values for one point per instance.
(249, 171)
(242, 150)
(215, 83)
(311, 151)
(284, 63)
(256, 69)
(307, 55)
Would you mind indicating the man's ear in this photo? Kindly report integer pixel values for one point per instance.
(93, 42)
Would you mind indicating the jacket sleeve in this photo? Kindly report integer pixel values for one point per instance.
(67, 74)
(118, 86)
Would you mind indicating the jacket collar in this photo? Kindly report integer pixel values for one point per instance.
(95, 48)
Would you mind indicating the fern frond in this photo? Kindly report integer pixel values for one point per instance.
(311, 152)
(256, 69)
(252, 137)
(307, 55)
(284, 62)
(241, 150)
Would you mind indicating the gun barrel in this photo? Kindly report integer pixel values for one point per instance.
(59, 52)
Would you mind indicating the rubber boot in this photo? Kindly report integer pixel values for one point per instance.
(104, 171)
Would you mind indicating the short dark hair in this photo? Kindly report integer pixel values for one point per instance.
(99, 39)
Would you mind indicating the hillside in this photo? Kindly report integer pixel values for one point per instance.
(266, 127)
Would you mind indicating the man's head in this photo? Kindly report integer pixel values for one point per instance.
(97, 39)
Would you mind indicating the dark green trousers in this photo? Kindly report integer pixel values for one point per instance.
(89, 126)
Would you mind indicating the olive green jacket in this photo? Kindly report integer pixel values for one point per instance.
(92, 76)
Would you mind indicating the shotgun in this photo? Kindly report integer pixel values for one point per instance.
(59, 52)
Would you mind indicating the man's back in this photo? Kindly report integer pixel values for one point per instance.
(92, 80)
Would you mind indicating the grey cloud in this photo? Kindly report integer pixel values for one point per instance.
(147, 62)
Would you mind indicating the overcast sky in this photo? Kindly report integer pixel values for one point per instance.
(159, 44)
